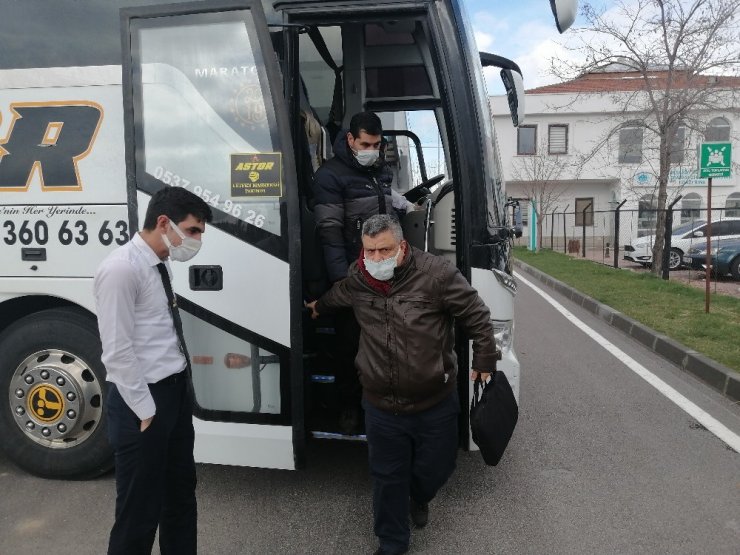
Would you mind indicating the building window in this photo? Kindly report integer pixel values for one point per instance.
(557, 139)
(732, 206)
(581, 204)
(690, 208)
(718, 129)
(524, 209)
(526, 141)
(678, 148)
(630, 144)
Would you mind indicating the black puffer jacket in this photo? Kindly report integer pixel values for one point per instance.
(346, 194)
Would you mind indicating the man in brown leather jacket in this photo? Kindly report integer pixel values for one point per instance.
(406, 302)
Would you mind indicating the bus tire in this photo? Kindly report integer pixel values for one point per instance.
(52, 395)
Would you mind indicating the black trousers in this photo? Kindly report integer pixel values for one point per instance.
(155, 473)
(411, 456)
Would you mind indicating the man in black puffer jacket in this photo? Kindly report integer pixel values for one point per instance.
(349, 189)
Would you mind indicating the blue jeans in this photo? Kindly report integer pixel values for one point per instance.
(411, 456)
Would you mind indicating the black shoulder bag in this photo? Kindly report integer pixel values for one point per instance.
(493, 416)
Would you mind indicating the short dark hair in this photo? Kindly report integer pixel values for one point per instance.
(177, 204)
(369, 122)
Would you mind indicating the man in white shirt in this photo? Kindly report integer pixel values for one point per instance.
(150, 424)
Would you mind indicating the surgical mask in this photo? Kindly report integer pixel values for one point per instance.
(382, 270)
(185, 250)
(366, 157)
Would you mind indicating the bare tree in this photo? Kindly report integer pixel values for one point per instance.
(539, 178)
(685, 54)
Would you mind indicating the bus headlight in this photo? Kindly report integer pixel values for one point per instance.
(503, 332)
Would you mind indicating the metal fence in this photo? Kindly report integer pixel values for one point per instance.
(602, 235)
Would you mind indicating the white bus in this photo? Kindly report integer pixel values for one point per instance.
(103, 103)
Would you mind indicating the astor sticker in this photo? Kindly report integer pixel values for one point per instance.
(256, 175)
(48, 139)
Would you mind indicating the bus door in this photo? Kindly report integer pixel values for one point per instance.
(204, 110)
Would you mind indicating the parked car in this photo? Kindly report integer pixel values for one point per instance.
(683, 238)
(725, 258)
(696, 257)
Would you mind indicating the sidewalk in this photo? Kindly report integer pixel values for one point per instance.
(719, 377)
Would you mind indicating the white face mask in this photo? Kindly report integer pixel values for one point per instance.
(185, 250)
(382, 270)
(366, 157)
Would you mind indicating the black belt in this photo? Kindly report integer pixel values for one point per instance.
(172, 379)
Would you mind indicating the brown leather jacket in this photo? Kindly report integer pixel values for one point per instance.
(406, 360)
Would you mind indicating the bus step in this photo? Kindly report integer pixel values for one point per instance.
(322, 378)
(337, 435)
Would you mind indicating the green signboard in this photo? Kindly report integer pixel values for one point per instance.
(715, 159)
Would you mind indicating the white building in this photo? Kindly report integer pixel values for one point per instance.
(581, 144)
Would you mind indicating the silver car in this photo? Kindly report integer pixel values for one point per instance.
(683, 238)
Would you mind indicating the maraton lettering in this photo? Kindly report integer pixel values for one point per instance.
(234, 71)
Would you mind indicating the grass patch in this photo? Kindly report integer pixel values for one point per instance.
(669, 307)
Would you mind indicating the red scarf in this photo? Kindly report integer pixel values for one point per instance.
(382, 287)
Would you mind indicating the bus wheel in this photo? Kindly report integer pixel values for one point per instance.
(52, 391)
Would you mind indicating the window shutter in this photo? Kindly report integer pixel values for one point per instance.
(524, 207)
(558, 139)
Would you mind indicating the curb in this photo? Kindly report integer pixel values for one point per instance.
(715, 375)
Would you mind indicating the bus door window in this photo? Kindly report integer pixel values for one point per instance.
(409, 168)
(417, 159)
(208, 115)
(205, 120)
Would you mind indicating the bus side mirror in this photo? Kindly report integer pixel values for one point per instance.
(514, 84)
(564, 12)
(511, 75)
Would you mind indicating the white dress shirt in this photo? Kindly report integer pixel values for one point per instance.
(140, 344)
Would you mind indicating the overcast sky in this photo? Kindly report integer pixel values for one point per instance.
(521, 30)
